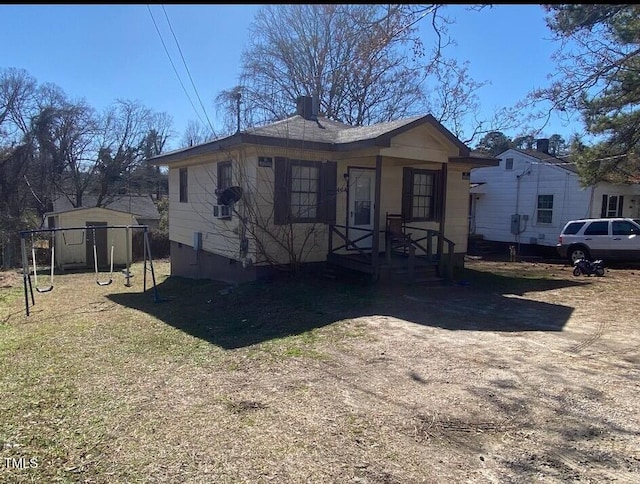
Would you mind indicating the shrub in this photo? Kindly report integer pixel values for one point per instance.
(158, 242)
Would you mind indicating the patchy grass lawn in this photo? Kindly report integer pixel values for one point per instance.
(520, 372)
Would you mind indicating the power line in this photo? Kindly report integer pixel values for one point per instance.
(187, 69)
(173, 65)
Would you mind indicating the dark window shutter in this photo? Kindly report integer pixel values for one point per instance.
(441, 179)
(620, 205)
(603, 211)
(438, 193)
(407, 190)
(328, 191)
(281, 190)
(219, 188)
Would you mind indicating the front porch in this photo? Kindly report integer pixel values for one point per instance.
(412, 254)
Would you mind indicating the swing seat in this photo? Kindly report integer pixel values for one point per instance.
(35, 269)
(95, 262)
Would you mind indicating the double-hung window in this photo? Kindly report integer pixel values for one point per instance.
(545, 209)
(305, 191)
(420, 192)
(222, 210)
(224, 176)
(305, 185)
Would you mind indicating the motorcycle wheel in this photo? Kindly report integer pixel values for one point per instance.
(599, 271)
(576, 271)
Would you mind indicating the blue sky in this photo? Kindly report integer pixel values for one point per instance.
(105, 52)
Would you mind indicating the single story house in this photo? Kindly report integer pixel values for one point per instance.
(530, 196)
(308, 190)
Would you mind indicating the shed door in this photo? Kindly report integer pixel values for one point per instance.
(101, 244)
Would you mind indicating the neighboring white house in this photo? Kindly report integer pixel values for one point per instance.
(529, 197)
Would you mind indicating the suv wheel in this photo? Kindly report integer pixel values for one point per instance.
(576, 253)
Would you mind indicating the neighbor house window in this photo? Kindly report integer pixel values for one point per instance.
(305, 191)
(611, 206)
(420, 192)
(508, 164)
(545, 209)
(184, 188)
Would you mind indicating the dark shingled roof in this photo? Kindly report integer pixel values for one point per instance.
(139, 205)
(320, 133)
(324, 130)
(552, 160)
(296, 127)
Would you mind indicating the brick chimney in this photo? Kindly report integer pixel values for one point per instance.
(304, 107)
(542, 145)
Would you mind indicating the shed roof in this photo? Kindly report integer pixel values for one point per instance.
(139, 205)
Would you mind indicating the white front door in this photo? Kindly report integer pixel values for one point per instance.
(361, 197)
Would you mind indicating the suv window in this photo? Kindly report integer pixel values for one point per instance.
(622, 227)
(597, 228)
(573, 228)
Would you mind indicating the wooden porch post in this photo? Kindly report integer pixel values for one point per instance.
(443, 217)
(375, 246)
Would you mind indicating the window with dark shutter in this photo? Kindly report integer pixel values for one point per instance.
(611, 206)
(304, 191)
(420, 192)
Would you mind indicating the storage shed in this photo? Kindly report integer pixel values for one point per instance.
(75, 248)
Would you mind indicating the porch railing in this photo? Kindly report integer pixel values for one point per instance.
(420, 247)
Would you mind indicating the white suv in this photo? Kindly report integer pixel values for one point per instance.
(600, 238)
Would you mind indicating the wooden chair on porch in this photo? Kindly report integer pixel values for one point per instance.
(396, 239)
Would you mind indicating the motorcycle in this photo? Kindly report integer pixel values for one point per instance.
(586, 267)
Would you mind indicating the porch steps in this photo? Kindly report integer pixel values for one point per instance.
(425, 272)
(395, 271)
(425, 276)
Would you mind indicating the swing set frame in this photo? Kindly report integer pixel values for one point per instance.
(26, 271)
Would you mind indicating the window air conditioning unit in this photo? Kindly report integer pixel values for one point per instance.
(222, 211)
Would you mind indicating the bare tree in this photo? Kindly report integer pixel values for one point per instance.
(348, 56)
(196, 133)
(66, 138)
(128, 128)
(18, 94)
(362, 64)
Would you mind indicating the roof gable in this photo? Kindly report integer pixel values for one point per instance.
(544, 158)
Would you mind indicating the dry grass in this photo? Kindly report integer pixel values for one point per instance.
(512, 375)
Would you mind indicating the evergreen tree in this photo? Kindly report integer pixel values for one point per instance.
(599, 67)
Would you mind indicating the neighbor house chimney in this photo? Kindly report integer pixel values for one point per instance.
(542, 145)
(305, 107)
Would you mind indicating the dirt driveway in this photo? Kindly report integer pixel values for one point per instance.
(520, 372)
(535, 381)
